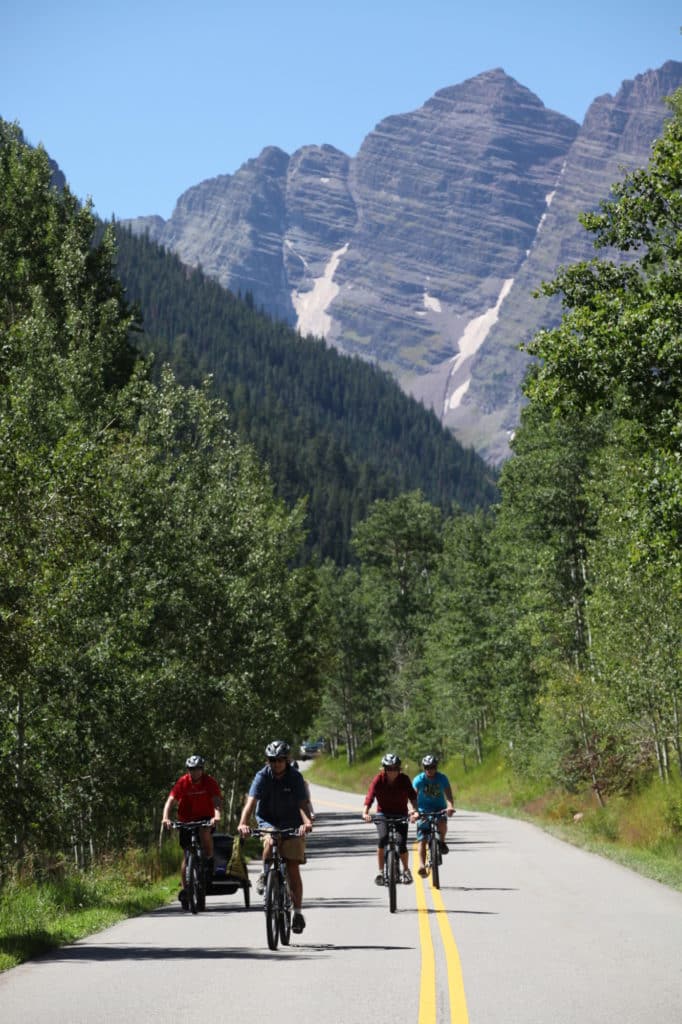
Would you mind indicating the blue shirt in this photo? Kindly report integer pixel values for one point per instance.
(279, 799)
(431, 791)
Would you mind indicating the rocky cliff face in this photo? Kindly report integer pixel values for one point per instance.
(421, 252)
(616, 137)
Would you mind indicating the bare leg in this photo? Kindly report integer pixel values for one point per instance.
(296, 883)
(207, 842)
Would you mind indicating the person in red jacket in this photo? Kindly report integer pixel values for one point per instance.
(392, 791)
(197, 796)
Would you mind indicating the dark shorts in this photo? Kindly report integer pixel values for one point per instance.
(185, 837)
(382, 831)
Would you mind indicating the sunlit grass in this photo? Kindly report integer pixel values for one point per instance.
(38, 916)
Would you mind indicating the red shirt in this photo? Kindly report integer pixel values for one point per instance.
(195, 799)
(391, 797)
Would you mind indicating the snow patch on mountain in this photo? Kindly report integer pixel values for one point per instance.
(311, 306)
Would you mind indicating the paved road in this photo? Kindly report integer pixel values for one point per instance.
(526, 930)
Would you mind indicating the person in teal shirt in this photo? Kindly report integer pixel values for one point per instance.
(434, 793)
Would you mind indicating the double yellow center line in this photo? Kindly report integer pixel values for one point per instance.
(427, 991)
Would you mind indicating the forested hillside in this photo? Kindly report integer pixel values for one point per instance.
(331, 428)
(153, 596)
(551, 630)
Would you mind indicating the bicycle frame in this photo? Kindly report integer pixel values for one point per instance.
(392, 859)
(432, 839)
(195, 865)
(277, 902)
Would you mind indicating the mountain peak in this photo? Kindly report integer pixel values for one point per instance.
(422, 252)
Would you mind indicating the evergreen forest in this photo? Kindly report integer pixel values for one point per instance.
(332, 429)
(170, 583)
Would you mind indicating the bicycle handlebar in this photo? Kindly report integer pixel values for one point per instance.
(203, 823)
(398, 819)
(286, 832)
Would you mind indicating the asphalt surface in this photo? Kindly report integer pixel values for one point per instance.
(526, 930)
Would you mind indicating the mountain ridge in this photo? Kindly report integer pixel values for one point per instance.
(421, 253)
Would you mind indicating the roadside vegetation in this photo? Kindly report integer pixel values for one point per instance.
(41, 912)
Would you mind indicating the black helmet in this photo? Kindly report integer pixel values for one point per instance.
(194, 761)
(390, 761)
(429, 761)
(278, 748)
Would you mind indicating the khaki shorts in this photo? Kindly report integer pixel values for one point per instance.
(292, 848)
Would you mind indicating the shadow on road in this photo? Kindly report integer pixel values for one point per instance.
(341, 902)
(77, 953)
(103, 953)
(477, 888)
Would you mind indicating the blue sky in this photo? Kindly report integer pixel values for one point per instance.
(137, 100)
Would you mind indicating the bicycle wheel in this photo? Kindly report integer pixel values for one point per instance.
(201, 895)
(392, 872)
(284, 912)
(272, 908)
(193, 884)
(435, 860)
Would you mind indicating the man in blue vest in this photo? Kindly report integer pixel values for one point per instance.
(279, 799)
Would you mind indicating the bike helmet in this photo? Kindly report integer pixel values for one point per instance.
(390, 761)
(429, 761)
(194, 761)
(278, 748)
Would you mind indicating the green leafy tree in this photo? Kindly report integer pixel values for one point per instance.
(147, 602)
(354, 675)
(546, 521)
(460, 644)
(399, 545)
(619, 344)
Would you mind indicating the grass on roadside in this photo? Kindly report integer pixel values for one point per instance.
(38, 916)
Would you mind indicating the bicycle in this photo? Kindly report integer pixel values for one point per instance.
(434, 857)
(195, 865)
(277, 899)
(392, 876)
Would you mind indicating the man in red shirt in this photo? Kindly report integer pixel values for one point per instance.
(392, 790)
(197, 796)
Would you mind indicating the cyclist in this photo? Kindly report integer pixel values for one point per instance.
(197, 795)
(392, 791)
(278, 797)
(434, 793)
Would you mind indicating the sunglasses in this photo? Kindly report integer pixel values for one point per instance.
(273, 760)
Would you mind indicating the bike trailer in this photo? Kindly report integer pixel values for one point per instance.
(229, 867)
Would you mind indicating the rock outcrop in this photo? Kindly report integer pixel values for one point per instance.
(421, 253)
(616, 137)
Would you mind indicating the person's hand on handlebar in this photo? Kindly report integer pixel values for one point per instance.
(244, 830)
(305, 829)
